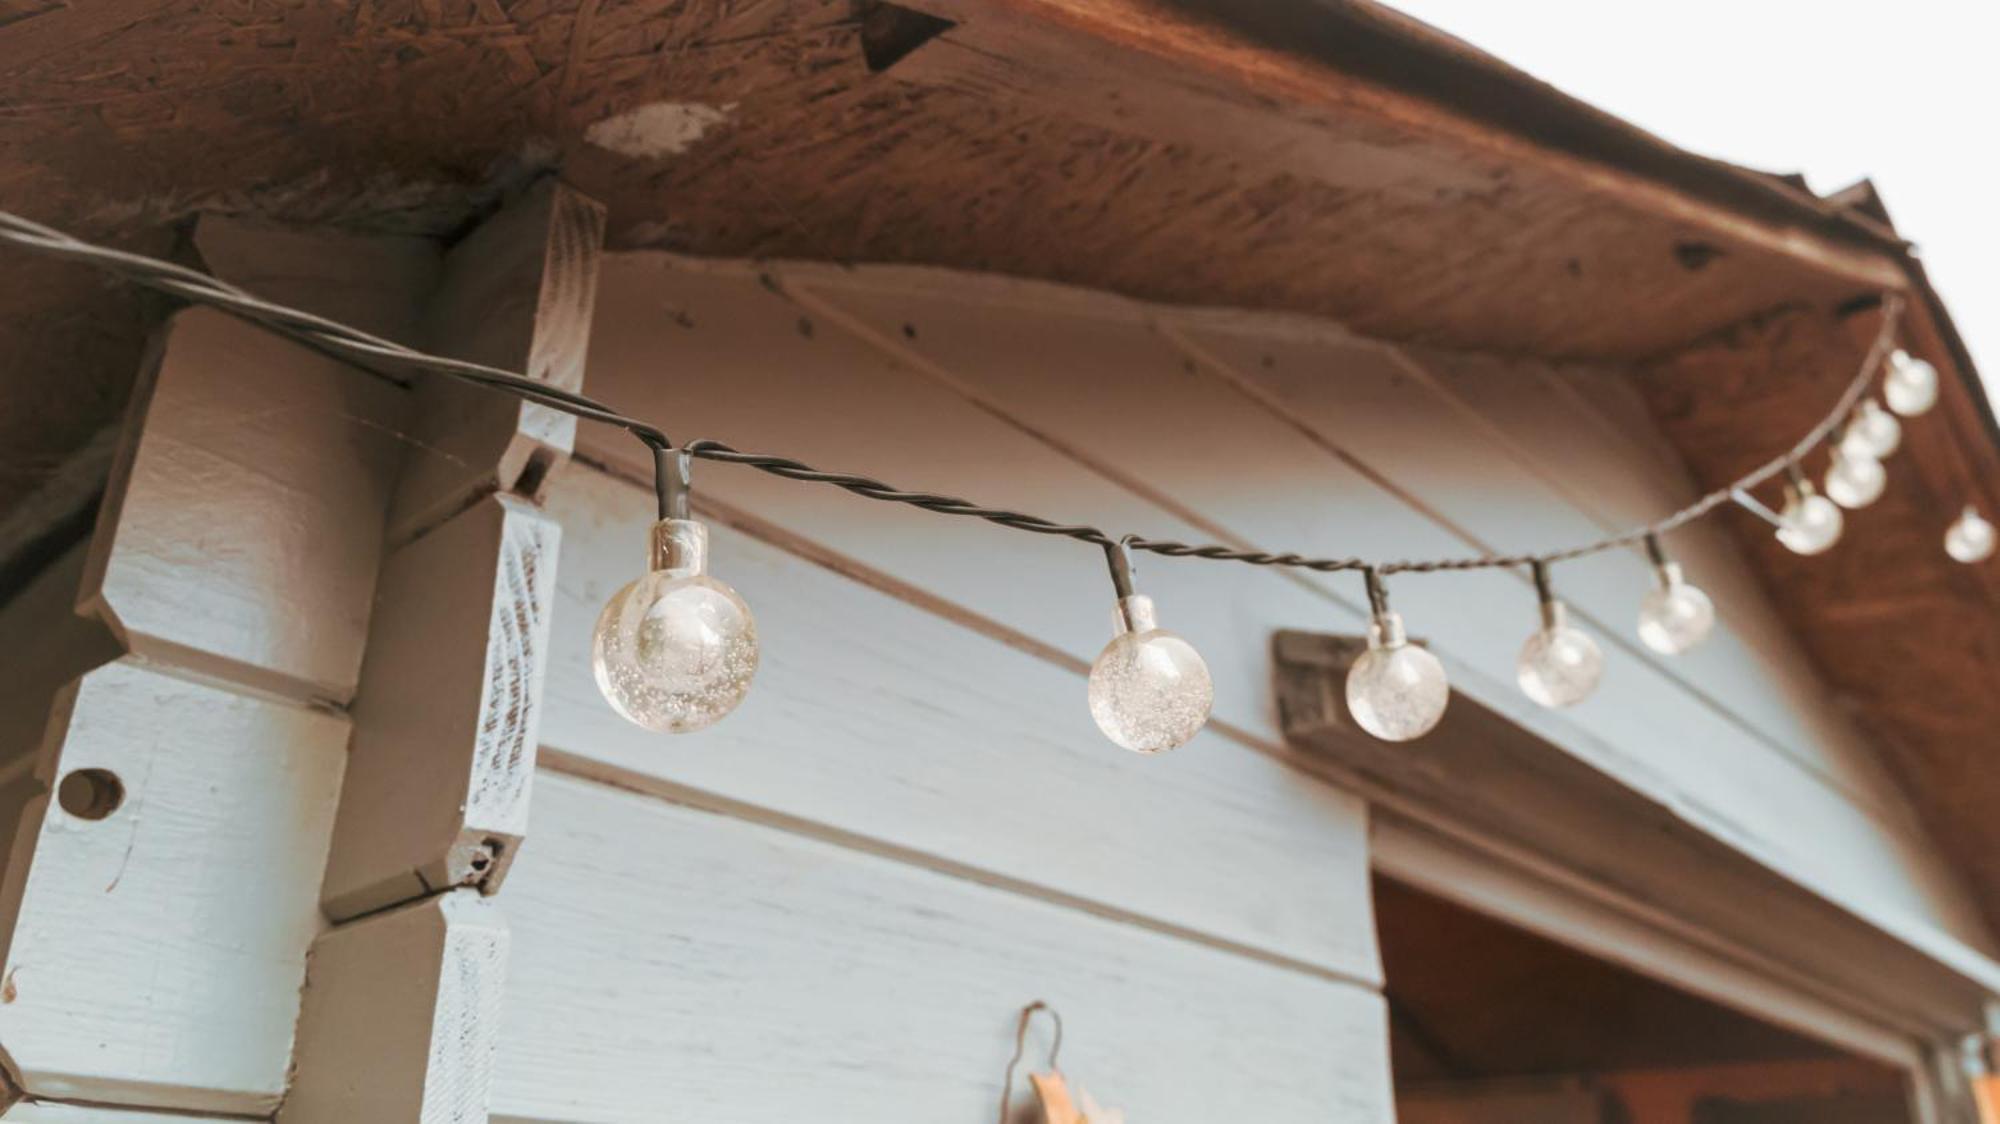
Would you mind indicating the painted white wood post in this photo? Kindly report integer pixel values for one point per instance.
(161, 886)
(248, 633)
(401, 1005)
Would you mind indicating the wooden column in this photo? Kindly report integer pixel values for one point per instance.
(402, 996)
(175, 811)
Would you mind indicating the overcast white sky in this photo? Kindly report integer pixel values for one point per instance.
(1906, 94)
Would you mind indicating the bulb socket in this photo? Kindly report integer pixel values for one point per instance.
(1555, 616)
(1386, 630)
(1668, 574)
(1136, 614)
(679, 545)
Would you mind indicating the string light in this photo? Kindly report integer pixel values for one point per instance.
(1149, 689)
(675, 650)
(1911, 386)
(1970, 538)
(1559, 665)
(1872, 432)
(1674, 616)
(1810, 523)
(1854, 481)
(1395, 690)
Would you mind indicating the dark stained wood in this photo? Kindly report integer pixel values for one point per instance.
(1909, 638)
(1122, 144)
(1471, 997)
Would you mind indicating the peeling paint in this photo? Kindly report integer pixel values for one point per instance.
(658, 130)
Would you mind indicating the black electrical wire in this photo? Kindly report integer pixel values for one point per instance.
(374, 352)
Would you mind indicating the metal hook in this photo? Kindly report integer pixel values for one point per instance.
(1021, 1046)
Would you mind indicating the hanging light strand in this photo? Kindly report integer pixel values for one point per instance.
(375, 353)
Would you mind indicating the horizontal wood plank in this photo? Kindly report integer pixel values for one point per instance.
(902, 730)
(1067, 404)
(1778, 796)
(666, 956)
(157, 952)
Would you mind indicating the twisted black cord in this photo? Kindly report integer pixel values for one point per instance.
(374, 352)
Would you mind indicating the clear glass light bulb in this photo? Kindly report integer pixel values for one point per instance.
(1559, 665)
(1855, 482)
(1971, 538)
(1396, 690)
(1149, 689)
(1674, 616)
(675, 650)
(1911, 386)
(1810, 523)
(1871, 432)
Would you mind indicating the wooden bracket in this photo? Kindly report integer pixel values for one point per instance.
(445, 722)
(516, 293)
(401, 1016)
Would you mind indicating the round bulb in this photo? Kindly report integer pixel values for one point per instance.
(1871, 432)
(1559, 665)
(1396, 691)
(1971, 538)
(1855, 482)
(1810, 523)
(1674, 616)
(1911, 386)
(675, 650)
(1149, 689)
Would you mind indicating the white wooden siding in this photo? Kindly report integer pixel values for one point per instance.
(830, 905)
(899, 730)
(674, 962)
(1084, 406)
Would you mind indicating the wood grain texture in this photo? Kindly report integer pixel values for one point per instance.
(517, 294)
(1907, 640)
(669, 956)
(1065, 403)
(897, 730)
(1177, 152)
(400, 1016)
(157, 954)
(241, 532)
(446, 720)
